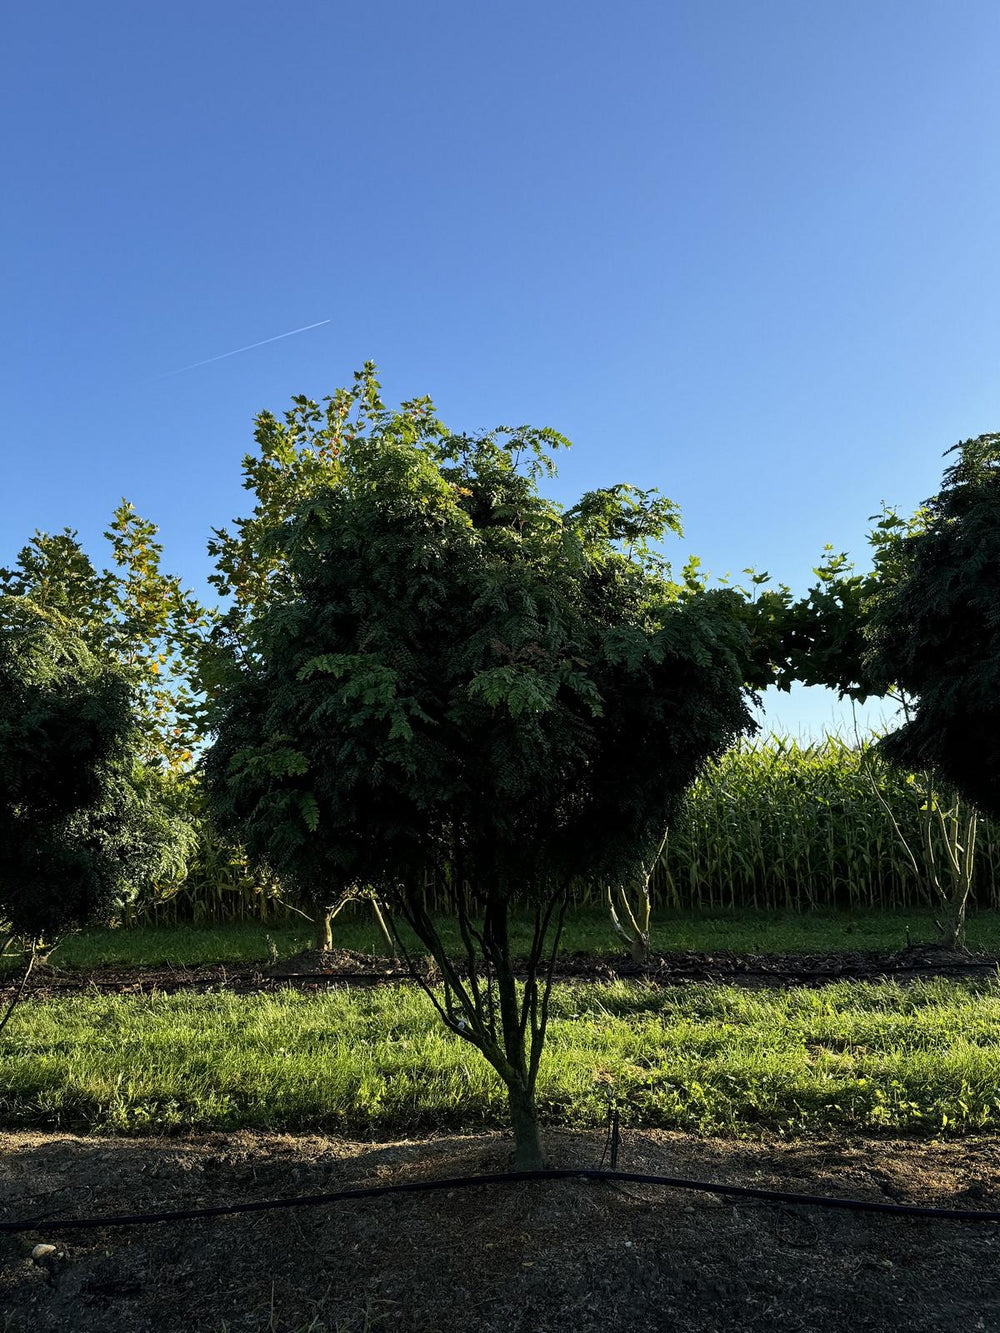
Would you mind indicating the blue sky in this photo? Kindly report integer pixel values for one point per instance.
(745, 253)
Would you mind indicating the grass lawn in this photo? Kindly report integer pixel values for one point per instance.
(922, 1058)
(586, 930)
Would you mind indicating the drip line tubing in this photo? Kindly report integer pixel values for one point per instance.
(504, 1178)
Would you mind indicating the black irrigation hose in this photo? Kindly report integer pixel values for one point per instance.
(505, 1178)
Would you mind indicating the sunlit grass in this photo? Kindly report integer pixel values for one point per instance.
(923, 1058)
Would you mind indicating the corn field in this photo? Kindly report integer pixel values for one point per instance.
(774, 826)
(784, 826)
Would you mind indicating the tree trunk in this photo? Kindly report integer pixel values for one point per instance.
(528, 1155)
(954, 934)
(520, 1082)
(323, 929)
(639, 947)
(485, 1005)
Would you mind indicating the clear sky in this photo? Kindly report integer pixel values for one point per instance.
(745, 253)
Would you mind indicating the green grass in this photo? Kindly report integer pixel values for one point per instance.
(923, 1058)
(586, 930)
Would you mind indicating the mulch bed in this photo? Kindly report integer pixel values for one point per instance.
(313, 970)
(576, 1256)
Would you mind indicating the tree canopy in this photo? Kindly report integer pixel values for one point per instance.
(132, 616)
(82, 825)
(461, 669)
(935, 630)
(921, 626)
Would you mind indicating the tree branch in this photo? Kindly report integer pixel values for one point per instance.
(20, 989)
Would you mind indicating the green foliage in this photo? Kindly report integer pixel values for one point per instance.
(218, 884)
(920, 627)
(936, 633)
(132, 616)
(298, 456)
(446, 669)
(82, 823)
(779, 826)
(824, 637)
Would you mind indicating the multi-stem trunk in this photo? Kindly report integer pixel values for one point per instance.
(957, 841)
(519, 1070)
(947, 852)
(954, 924)
(484, 1003)
(630, 915)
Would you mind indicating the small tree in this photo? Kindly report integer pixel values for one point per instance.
(935, 631)
(631, 908)
(458, 679)
(860, 633)
(82, 823)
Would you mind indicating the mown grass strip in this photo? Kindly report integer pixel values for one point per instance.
(587, 931)
(923, 1058)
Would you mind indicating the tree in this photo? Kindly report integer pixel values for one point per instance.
(631, 906)
(82, 824)
(132, 616)
(915, 628)
(454, 677)
(144, 626)
(932, 638)
(935, 631)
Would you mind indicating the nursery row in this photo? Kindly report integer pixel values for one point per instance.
(773, 826)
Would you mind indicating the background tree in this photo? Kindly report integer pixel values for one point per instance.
(133, 616)
(935, 631)
(933, 638)
(82, 827)
(451, 676)
(917, 628)
(142, 624)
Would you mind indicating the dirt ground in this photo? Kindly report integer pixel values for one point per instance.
(340, 967)
(527, 1258)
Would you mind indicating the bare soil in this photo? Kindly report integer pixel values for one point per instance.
(526, 1258)
(341, 967)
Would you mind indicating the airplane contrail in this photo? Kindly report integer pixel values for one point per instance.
(249, 348)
